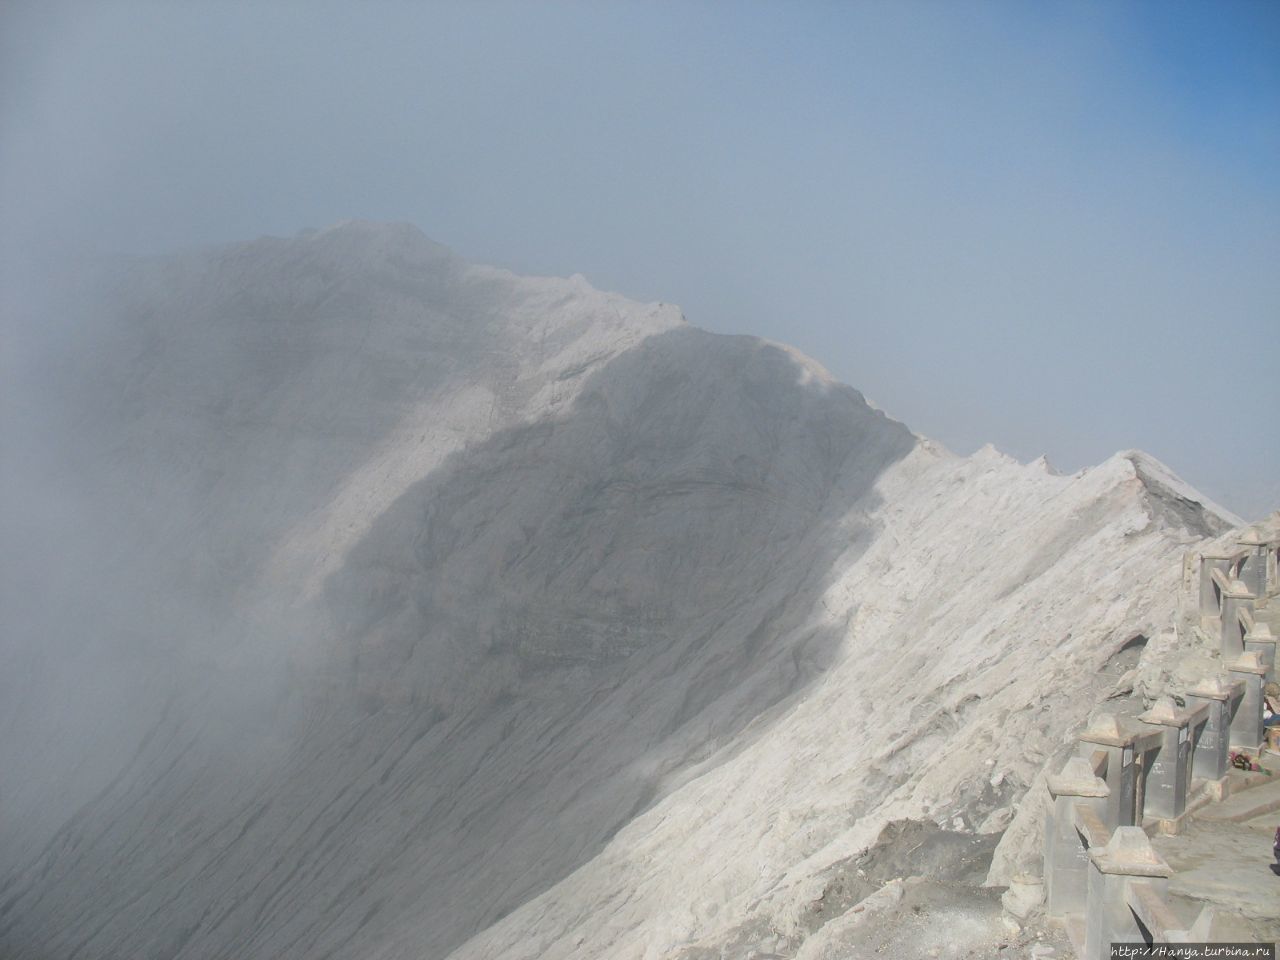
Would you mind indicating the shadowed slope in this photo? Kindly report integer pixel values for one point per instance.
(526, 648)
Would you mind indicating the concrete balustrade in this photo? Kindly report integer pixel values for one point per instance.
(1066, 851)
(1228, 579)
(1254, 570)
(1122, 748)
(1261, 641)
(1210, 759)
(1110, 883)
(1168, 776)
(1211, 587)
(1249, 671)
(1161, 924)
(1198, 932)
(1127, 856)
(1237, 616)
(1101, 875)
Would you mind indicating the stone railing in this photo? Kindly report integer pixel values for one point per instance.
(1102, 878)
(1236, 583)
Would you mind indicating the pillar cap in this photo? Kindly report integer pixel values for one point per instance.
(1130, 854)
(1248, 662)
(1106, 729)
(1236, 590)
(1211, 688)
(1077, 779)
(1252, 538)
(1166, 713)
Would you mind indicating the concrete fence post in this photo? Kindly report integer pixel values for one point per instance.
(1106, 734)
(1169, 773)
(1210, 593)
(1254, 571)
(1066, 854)
(1246, 721)
(1261, 641)
(1210, 758)
(1108, 917)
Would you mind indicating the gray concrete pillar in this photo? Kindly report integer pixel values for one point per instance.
(1210, 593)
(1169, 771)
(1254, 572)
(1106, 734)
(1066, 854)
(1209, 759)
(1108, 918)
(1260, 640)
(1246, 721)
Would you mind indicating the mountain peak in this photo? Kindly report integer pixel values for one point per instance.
(1171, 491)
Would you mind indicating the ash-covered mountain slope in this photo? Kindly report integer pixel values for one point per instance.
(445, 612)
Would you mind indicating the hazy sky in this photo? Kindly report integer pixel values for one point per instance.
(1051, 226)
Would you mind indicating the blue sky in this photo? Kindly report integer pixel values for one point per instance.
(1049, 226)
